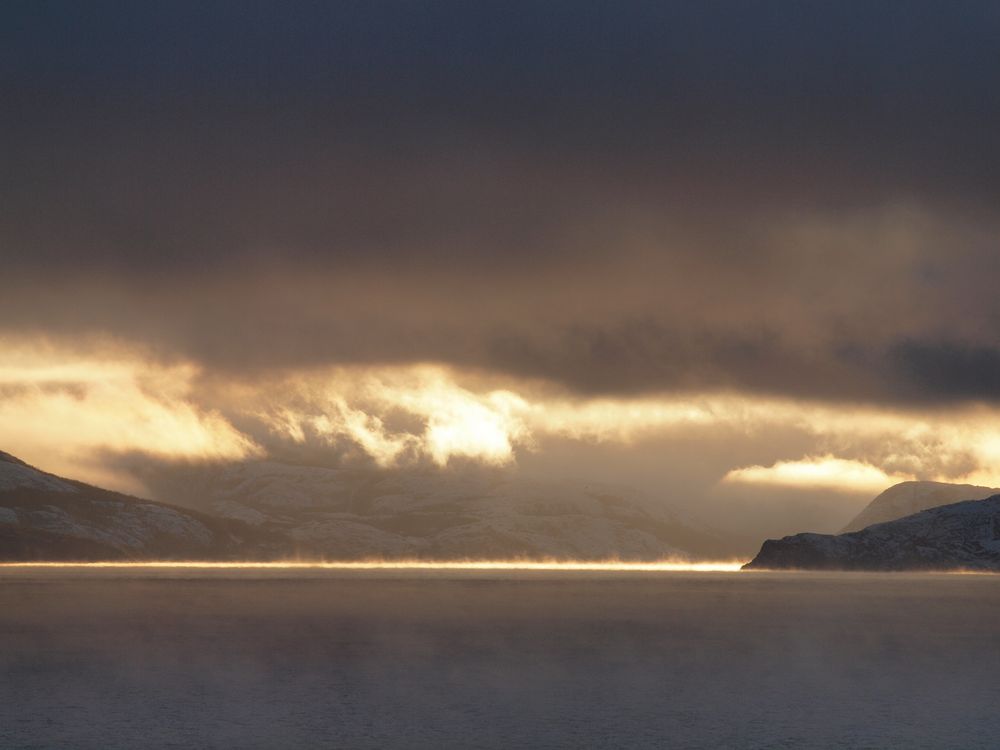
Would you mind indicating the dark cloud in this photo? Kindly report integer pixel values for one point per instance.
(950, 369)
(615, 197)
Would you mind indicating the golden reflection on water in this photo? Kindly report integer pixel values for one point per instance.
(608, 565)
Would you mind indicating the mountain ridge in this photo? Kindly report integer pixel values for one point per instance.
(271, 510)
(958, 536)
(47, 517)
(906, 498)
(452, 515)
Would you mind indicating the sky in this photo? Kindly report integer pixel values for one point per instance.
(739, 254)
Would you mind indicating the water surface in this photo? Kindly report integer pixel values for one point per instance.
(496, 659)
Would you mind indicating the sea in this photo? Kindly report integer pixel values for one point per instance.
(414, 658)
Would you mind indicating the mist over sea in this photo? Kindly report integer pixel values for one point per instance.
(491, 659)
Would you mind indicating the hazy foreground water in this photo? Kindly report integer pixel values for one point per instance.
(328, 659)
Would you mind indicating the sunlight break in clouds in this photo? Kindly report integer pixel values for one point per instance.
(825, 471)
(67, 408)
(402, 413)
(355, 404)
(62, 408)
(445, 418)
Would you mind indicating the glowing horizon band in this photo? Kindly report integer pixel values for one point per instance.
(511, 565)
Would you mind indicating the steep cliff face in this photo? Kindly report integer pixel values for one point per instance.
(45, 517)
(906, 498)
(964, 535)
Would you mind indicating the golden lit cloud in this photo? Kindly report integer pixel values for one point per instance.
(61, 408)
(445, 416)
(397, 414)
(446, 419)
(825, 471)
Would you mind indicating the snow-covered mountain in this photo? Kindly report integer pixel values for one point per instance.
(963, 535)
(344, 513)
(45, 517)
(906, 498)
(268, 509)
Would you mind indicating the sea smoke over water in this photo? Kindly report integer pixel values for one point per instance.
(495, 659)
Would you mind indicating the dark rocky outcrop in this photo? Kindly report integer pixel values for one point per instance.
(964, 535)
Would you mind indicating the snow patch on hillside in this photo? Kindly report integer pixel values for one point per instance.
(963, 535)
(906, 498)
(15, 475)
(350, 513)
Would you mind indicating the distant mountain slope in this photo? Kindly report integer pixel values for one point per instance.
(45, 517)
(450, 515)
(906, 498)
(271, 510)
(964, 535)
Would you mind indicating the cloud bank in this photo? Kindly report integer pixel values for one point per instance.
(69, 408)
(743, 240)
(790, 200)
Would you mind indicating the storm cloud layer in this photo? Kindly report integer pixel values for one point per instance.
(793, 199)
